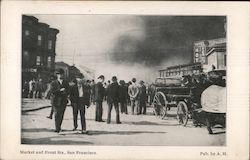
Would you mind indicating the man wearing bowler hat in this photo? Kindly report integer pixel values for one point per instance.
(99, 95)
(59, 91)
(113, 99)
(79, 97)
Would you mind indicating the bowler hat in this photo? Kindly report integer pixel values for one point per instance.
(60, 71)
(101, 77)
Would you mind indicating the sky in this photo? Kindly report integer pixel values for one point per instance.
(127, 45)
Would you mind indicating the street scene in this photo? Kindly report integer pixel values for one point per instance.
(135, 130)
(125, 80)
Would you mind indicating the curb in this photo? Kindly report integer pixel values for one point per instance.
(35, 109)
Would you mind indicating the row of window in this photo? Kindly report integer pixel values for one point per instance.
(39, 62)
(183, 72)
(39, 39)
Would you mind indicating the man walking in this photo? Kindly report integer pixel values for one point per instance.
(79, 97)
(133, 91)
(99, 94)
(113, 99)
(142, 98)
(59, 91)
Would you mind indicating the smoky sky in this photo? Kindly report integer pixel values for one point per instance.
(166, 38)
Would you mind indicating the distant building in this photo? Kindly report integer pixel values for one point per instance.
(73, 70)
(216, 57)
(201, 49)
(181, 70)
(38, 49)
(63, 66)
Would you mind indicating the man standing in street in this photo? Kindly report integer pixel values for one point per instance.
(142, 98)
(113, 99)
(133, 91)
(79, 97)
(59, 91)
(123, 92)
(99, 95)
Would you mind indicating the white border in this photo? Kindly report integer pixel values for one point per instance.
(238, 76)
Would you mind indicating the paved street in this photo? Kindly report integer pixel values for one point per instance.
(134, 130)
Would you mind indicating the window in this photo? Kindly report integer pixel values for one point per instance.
(26, 32)
(38, 60)
(50, 44)
(26, 56)
(49, 62)
(39, 38)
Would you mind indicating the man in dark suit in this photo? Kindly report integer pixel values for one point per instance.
(59, 91)
(99, 94)
(79, 97)
(142, 98)
(113, 99)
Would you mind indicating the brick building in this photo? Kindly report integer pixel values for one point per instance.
(38, 49)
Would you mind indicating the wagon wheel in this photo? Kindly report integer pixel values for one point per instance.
(160, 104)
(182, 113)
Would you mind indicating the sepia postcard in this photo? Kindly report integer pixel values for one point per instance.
(124, 80)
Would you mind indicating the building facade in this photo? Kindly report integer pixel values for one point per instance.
(38, 49)
(181, 70)
(216, 58)
(202, 47)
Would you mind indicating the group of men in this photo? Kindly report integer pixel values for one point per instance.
(79, 94)
(33, 88)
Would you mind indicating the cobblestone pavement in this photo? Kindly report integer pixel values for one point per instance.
(134, 130)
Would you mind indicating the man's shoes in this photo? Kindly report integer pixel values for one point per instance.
(118, 122)
(101, 121)
(84, 132)
(57, 131)
(74, 129)
(49, 117)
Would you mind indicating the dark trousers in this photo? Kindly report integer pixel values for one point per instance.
(98, 111)
(110, 106)
(51, 111)
(124, 107)
(59, 113)
(142, 107)
(79, 106)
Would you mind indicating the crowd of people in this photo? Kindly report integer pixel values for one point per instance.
(35, 88)
(83, 93)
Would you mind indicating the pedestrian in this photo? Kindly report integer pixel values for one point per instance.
(88, 84)
(32, 84)
(59, 91)
(128, 97)
(48, 95)
(123, 96)
(99, 95)
(142, 96)
(79, 97)
(25, 89)
(39, 88)
(113, 99)
(92, 95)
(133, 91)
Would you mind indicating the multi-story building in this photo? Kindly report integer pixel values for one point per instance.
(216, 58)
(38, 49)
(202, 47)
(181, 70)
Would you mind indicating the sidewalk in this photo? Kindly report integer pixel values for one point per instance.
(32, 104)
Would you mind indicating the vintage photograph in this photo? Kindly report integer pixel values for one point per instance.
(123, 80)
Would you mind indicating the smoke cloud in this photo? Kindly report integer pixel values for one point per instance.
(130, 46)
